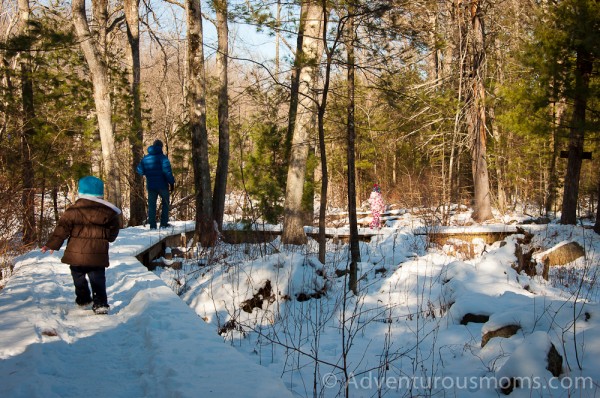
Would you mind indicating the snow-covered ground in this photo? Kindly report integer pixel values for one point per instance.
(151, 344)
(271, 320)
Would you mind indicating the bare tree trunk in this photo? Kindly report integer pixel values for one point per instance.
(277, 39)
(455, 151)
(137, 212)
(223, 113)
(42, 211)
(550, 199)
(295, 80)
(310, 54)
(197, 114)
(394, 164)
(351, 129)
(597, 223)
(308, 192)
(322, 144)
(559, 111)
(583, 71)
(324, 187)
(433, 61)
(102, 98)
(500, 161)
(477, 119)
(28, 193)
(446, 27)
(55, 203)
(28, 131)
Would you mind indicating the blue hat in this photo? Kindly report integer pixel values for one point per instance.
(92, 186)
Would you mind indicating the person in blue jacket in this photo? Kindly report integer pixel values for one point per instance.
(159, 182)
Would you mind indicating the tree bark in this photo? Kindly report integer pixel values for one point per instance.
(477, 119)
(501, 159)
(295, 79)
(583, 71)
(28, 131)
(557, 117)
(102, 98)
(597, 223)
(205, 232)
(455, 150)
(277, 38)
(351, 137)
(322, 106)
(308, 57)
(220, 189)
(136, 138)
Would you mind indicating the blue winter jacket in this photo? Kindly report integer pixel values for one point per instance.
(157, 169)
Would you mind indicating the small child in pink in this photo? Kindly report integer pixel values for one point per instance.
(377, 206)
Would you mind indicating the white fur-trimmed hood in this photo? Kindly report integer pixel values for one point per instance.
(101, 201)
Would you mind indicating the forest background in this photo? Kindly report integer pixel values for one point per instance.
(439, 102)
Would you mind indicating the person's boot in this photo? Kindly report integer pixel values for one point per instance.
(101, 309)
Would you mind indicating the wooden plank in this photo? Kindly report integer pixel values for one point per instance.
(232, 237)
(441, 238)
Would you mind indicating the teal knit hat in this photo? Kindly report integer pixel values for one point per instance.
(92, 186)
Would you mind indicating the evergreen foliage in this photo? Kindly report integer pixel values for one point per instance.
(410, 118)
(266, 171)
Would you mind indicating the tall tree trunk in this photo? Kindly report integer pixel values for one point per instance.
(500, 160)
(295, 79)
(597, 224)
(223, 113)
(433, 60)
(457, 22)
(309, 56)
(28, 131)
(447, 25)
(322, 107)
(308, 192)
(102, 98)
(583, 71)
(477, 119)
(205, 232)
(136, 138)
(558, 115)
(351, 131)
(277, 39)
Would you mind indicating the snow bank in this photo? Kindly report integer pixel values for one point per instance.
(151, 344)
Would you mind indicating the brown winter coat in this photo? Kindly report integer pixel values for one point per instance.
(89, 224)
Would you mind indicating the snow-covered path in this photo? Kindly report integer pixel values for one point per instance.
(151, 345)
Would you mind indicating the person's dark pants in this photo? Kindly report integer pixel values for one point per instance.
(97, 281)
(152, 199)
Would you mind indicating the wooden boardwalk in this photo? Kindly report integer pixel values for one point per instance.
(437, 235)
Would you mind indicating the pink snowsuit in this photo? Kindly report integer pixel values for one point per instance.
(377, 207)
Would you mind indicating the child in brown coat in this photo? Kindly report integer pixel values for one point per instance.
(89, 225)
